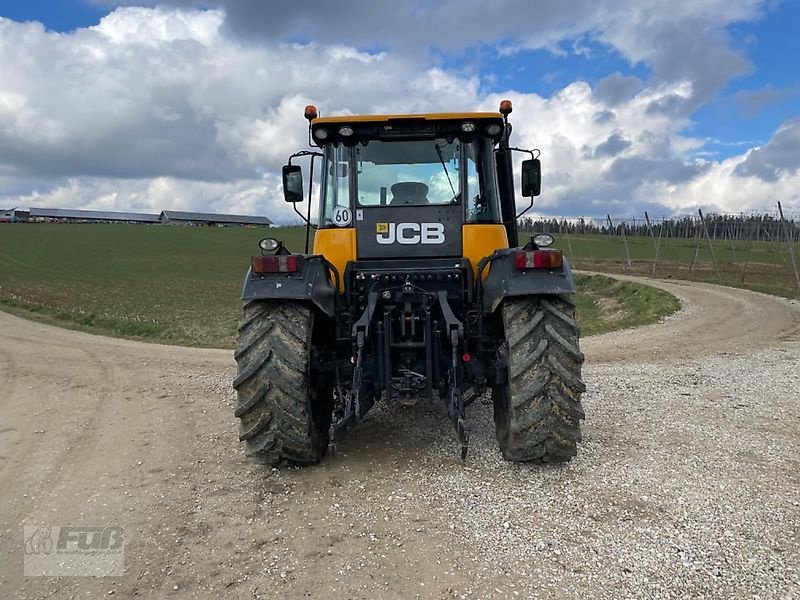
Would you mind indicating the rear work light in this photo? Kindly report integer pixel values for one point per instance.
(538, 259)
(282, 263)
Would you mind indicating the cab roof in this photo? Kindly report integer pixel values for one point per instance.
(460, 116)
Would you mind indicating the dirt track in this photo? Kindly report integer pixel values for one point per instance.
(686, 483)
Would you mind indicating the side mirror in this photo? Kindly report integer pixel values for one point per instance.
(531, 177)
(292, 183)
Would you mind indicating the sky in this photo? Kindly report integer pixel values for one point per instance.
(636, 105)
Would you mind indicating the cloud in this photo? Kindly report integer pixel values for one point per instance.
(753, 102)
(158, 92)
(614, 144)
(680, 41)
(159, 108)
(781, 155)
(617, 88)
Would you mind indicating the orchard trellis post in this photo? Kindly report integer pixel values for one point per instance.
(710, 245)
(653, 237)
(791, 245)
(624, 239)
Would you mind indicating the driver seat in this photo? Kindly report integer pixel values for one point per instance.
(406, 193)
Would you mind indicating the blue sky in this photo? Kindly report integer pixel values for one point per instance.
(57, 15)
(635, 103)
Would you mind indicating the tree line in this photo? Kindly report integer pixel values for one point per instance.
(763, 227)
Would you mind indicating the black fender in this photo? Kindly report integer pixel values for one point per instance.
(506, 280)
(311, 282)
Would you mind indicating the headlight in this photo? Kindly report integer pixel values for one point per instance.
(346, 131)
(321, 133)
(468, 127)
(269, 244)
(543, 240)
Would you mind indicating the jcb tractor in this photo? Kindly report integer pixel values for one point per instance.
(415, 289)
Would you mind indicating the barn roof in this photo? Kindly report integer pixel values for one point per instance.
(95, 215)
(177, 215)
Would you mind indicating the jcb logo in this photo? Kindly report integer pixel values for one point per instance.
(410, 233)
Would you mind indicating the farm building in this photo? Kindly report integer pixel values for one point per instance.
(14, 215)
(89, 216)
(174, 217)
(167, 217)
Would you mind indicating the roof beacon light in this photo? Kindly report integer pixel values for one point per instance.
(346, 131)
(310, 112)
(505, 107)
(468, 127)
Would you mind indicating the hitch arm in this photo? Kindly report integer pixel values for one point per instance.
(455, 405)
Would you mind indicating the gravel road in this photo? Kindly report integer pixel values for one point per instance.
(687, 483)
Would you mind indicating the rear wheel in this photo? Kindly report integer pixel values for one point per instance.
(283, 416)
(537, 413)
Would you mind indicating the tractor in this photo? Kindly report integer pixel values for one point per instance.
(417, 288)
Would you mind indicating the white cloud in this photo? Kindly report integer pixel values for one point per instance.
(162, 109)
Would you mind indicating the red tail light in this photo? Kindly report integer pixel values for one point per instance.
(282, 263)
(538, 259)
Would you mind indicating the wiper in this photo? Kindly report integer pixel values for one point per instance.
(444, 166)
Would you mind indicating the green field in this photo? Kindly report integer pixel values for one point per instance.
(760, 266)
(181, 285)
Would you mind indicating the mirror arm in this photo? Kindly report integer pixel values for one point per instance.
(530, 206)
(310, 190)
(535, 153)
(307, 218)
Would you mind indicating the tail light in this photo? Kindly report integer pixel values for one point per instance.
(282, 263)
(538, 259)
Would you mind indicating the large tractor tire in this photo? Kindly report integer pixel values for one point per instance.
(537, 413)
(283, 417)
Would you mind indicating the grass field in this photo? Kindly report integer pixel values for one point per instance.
(760, 266)
(181, 285)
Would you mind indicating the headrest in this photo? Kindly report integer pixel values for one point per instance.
(409, 189)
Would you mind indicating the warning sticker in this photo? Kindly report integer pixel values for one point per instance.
(381, 228)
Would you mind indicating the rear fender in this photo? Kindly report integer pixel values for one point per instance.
(506, 280)
(312, 282)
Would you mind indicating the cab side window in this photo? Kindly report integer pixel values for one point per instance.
(478, 204)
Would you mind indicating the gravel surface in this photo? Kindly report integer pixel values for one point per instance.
(686, 484)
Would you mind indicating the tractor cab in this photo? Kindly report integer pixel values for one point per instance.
(409, 185)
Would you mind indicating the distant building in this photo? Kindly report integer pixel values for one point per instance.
(167, 217)
(175, 217)
(14, 215)
(70, 215)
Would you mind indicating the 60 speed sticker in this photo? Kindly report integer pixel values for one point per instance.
(341, 217)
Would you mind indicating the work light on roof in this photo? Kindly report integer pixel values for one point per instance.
(346, 131)
(468, 127)
(493, 129)
(321, 133)
(269, 244)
